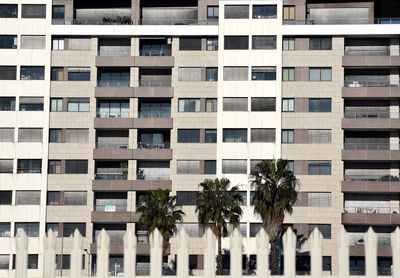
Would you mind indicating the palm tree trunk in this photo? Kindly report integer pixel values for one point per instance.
(220, 265)
(275, 257)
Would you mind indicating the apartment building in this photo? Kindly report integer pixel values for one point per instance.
(101, 102)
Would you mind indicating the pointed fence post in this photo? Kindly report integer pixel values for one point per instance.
(236, 254)
(343, 254)
(49, 243)
(103, 248)
(76, 255)
(289, 253)
(156, 253)
(209, 254)
(130, 242)
(395, 241)
(263, 254)
(316, 254)
(371, 247)
(183, 254)
(21, 244)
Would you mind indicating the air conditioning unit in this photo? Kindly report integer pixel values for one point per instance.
(123, 147)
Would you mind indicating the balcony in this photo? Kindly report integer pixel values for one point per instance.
(114, 47)
(370, 210)
(154, 109)
(112, 139)
(111, 170)
(367, 47)
(370, 178)
(110, 207)
(357, 239)
(366, 146)
(113, 77)
(115, 61)
(154, 77)
(155, 52)
(342, 21)
(383, 219)
(371, 155)
(155, 47)
(392, 92)
(154, 139)
(114, 217)
(172, 15)
(112, 109)
(371, 61)
(153, 170)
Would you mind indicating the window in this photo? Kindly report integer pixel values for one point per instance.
(236, 11)
(319, 167)
(288, 105)
(189, 105)
(320, 74)
(319, 136)
(4, 259)
(320, 44)
(57, 74)
(6, 134)
(78, 105)
(8, 10)
(32, 261)
(265, 135)
(80, 136)
(33, 42)
(54, 167)
(63, 261)
(58, 12)
(189, 43)
(263, 73)
(211, 105)
(319, 199)
(29, 166)
(212, 74)
(33, 11)
(188, 167)
(7, 103)
(320, 105)
(5, 197)
(188, 135)
(231, 135)
(234, 166)
(244, 196)
(79, 43)
(27, 198)
(236, 73)
(264, 42)
(31, 104)
(288, 74)
(254, 229)
(288, 44)
(75, 198)
(55, 136)
(289, 13)
(212, 43)
(56, 104)
(53, 198)
(78, 74)
(263, 104)
(288, 136)
(211, 136)
(235, 104)
(111, 109)
(189, 74)
(32, 73)
(30, 135)
(53, 227)
(58, 43)
(76, 166)
(5, 229)
(6, 166)
(212, 12)
(8, 42)
(210, 167)
(236, 42)
(186, 198)
(253, 167)
(290, 165)
(30, 229)
(8, 73)
(264, 11)
(325, 230)
(69, 229)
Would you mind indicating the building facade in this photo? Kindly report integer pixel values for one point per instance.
(101, 102)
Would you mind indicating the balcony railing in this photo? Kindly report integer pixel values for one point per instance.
(366, 146)
(153, 176)
(111, 174)
(367, 52)
(177, 22)
(371, 178)
(153, 146)
(108, 114)
(147, 114)
(112, 146)
(29, 170)
(159, 52)
(123, 21)
(355, 84)
(366, 114)
(113, 83)
(115, 236)
(143, 83)
(358, 239)
(370, 210)
(342, 21)
(110, 208)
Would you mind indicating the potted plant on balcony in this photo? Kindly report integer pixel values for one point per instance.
(124, 167)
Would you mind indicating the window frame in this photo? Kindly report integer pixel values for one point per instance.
(289, 104)
(287, 136)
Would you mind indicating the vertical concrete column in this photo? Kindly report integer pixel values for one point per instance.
(394, 140)
(131, 201)
(132, 170)
(135, 11)
(394, 108)
(394, 77)
(394, 169)
(394, 47)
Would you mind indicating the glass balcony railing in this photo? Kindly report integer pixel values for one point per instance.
(155, 52)
(112, 146)
(153, 176)
(366, 114)
(143, 83)
(104, 113)
(113, 83)
(365, 83)
(111, 174)
(185, 21)
(153, 146)
(110, 208)
(155, 114)
(356, 239)
(366, 51)
(383, 178)
(115, 236)
(342, 21)
(366, 146)
(104, 21)
(371, 210)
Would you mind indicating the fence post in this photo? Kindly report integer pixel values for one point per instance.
(343, 254)
(371, 246)
(21, 244)
(263, 254)
(103, 246)
(130, 242)
(49, 243)
(183, 254)
(316, 254)
(289, 252)
(236, 254)
(209, 254)
(76, 255)
(156, 253)
(395, 241)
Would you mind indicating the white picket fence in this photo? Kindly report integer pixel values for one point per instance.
(156, 253)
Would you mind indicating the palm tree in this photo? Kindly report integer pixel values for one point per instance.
(275, 194)
(159, 210)
(217, 206)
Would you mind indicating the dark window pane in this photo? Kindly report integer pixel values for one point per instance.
(76, 166)
(33, 11)
(53, 198)
(236, 11)
(264, 11)
(188, 135)
(29, 166)
(8, 73)
(210, 167)
(8, 42)
(58, 12)
(234, 135)
(263, 104)
(69, 229)
(324, 229)
(5, 197)
(211, 136)
(186, 198)
(263, 73)
(32, 73)
(7, 103)
(236, 42)
(264, 42)
(320, 105)
(8, 11)
(189, 43)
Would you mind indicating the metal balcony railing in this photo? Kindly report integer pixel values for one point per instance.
(366, 52)
(156, 114)
(358, 239)
(153, 52)
(342, 21)
(91, 22)
(153, 146)
(366, 146)
(113, 83)
(366, 114)
(371, 210)
(365, 83)
(112, 146)
(115, 236)
(104, 113)
(167, 21)
(382, 178)
(153, 176)
(143, 83)
(111, 174)
(111, 208)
